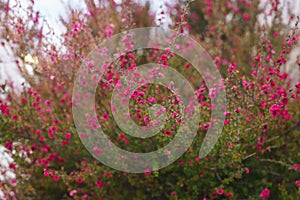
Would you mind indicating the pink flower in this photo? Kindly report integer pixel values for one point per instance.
(97, 150)
(173, 193)
(262, 105)
(23, 100)
(213, 195)
(275, 109)
(8, 145)
(257, 58)
(229, 194)
(122, 136)
(68, 135)
(275, 34)
(76, 25)
(15, 118)
(229, 144)
(73, 192)
(147, 172)
(105, 116)
(206, 126)
(13, 181)
(229, 4)
(50, 133)
(48, 103)
(212, 93)
(226, 121)
(295, 38)
(100, 184)
(226, 113)
(56, 121)
(265, 193)
(79, 180)
(59, 87)
(297, 183)
(42, 138)
(46, 173)
(151, 100)
(55, 178)
(109, 32)
(130, 55)
(64, 142)
(220, 191)
(12, 166)
(168, 133)
(247, 170)
(20, 30)
(295, 166)
(246, 17)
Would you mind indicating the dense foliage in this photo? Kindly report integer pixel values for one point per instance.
(257, 156)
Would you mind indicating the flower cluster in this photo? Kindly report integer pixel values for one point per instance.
(256, 155)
